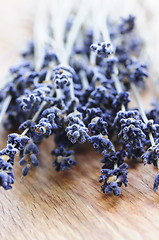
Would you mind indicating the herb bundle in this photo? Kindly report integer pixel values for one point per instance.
(74, 81)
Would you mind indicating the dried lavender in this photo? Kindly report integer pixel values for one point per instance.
(75, 82)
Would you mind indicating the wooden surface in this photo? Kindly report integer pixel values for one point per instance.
(51, 205)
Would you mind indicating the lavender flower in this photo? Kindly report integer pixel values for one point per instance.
(62, 77)
(156, 183)
(127, 24)
(101, 143)
(151, 155)
(113, 179)
(137, 72)
(131, 128)
(6, 174)
(102, 49)
(97, 126)
(64, 158)
(77, 133)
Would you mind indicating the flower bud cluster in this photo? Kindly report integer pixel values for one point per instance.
(83, 97)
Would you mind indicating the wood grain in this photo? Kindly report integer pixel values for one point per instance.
(51, 205)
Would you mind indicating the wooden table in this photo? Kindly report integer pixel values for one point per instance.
(69, 205)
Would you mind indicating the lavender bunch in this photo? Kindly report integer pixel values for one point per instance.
(75, 82)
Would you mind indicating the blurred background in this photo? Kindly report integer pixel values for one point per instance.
(17, 17)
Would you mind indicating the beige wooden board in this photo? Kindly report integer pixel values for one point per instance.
(51, 205)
